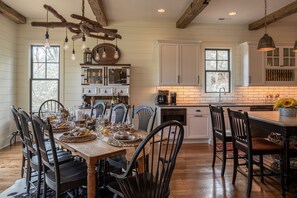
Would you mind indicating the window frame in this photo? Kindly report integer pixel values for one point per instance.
(228, 70)
(44, 79)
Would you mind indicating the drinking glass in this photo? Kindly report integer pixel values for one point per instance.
(99, 125)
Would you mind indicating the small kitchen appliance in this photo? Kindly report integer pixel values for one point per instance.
(162, 97)
(173, 98)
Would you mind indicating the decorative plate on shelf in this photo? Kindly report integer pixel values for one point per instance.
(109, 49)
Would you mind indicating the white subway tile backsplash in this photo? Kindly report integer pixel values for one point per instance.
(194, 95)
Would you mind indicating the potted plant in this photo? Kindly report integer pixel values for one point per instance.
(286, 106)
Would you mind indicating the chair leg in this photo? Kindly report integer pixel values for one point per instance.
(23, 166)
(214, 150)
(44, 187)
(224, 159)
(261, 168)
(38, 183)
(235, 164)
(28, 176)
(250, 175)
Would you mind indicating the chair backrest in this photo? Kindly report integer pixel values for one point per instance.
(153, 177)
(100, 108)
(120, 111)
(146, 117)
(38, 129)
(25, 118)
(240, 129)
(17, 121)
(49, 106)
(217, 121)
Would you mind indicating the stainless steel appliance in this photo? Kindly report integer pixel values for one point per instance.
(179, 114)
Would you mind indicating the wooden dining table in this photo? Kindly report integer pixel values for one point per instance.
(271, 121)
(92, 151)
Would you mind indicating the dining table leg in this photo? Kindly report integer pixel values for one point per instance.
(91, 178)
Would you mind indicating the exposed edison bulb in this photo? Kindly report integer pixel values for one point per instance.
(116, 54)
(46, 42)
(104, 54)
(97, 56)
(73, 55)
(66, 46)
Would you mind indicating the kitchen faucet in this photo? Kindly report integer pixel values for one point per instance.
(220, 93)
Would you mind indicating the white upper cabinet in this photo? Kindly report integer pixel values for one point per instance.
(178, 63)
(280, 66)
(252, 62)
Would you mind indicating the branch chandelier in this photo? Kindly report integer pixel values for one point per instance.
(82, 29)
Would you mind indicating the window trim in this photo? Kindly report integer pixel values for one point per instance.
(227, 71)
(45, 79)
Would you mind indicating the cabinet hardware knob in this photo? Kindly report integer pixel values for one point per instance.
(121, 91)
(105, 91)
(89, 91)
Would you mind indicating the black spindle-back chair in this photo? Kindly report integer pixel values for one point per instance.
(151, 179)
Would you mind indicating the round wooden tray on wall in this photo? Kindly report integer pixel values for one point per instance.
(109, 49)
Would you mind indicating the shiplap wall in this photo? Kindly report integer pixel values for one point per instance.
(7, 78)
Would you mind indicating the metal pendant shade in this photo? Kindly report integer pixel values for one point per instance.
(295, 47)
(266, 43)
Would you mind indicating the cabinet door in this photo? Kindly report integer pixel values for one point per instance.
(198, 126)
(169, 62)
(188, 72)
(256, 70)
(117, 75)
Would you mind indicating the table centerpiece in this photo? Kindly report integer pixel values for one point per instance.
(287, 107)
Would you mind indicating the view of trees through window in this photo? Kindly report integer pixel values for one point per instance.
(217, 70)
(45, 75)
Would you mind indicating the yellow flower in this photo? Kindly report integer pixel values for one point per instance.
(285, 103)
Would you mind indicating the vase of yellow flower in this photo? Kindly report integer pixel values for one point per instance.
(287, 107)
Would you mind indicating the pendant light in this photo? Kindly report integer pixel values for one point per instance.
(83, 42)
(46, 42)
(97, 55)
(266, 42)
(104, 52)
(73, 52)
(66, 46)
(116, 53)
(295, 47)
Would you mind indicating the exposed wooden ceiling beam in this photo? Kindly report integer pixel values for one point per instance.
(11, 14)
(191, 12)
(98, 10)
(275, 16)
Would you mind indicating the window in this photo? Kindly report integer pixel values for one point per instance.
(45, 75)
(217, 70)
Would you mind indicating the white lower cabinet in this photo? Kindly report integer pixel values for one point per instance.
(198, 123)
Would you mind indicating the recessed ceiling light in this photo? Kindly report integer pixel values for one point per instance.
(232, 13)
(161, 10)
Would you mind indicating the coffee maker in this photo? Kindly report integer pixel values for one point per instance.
(162, 97)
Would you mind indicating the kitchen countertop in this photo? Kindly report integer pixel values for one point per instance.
(218, 104)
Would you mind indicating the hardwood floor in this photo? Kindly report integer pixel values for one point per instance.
(193, 175)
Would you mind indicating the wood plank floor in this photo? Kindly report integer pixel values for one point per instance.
(192, 177)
